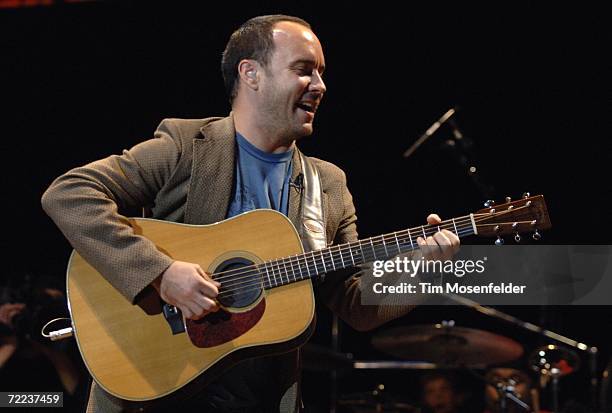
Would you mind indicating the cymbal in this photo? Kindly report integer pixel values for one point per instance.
(447, 345)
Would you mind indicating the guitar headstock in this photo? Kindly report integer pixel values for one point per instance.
(528, 214)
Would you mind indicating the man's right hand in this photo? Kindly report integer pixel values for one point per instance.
(188, 287)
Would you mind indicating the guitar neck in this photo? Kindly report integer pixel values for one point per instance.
(313, 264)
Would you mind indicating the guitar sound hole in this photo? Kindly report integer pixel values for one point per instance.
(240, 286)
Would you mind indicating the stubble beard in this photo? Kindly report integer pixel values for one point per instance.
(278, 122)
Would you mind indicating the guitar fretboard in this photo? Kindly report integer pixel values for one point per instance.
(313, 264)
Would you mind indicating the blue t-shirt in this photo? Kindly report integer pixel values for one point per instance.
(261, 179)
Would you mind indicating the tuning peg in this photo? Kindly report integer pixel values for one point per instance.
(499, 241)
(508, 199)
(526, 194)
(517, 237)
(489, 203)
(536, 235)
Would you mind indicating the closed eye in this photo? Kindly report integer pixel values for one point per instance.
(306, 67)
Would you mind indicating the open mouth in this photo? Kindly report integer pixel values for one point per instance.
(307, 106)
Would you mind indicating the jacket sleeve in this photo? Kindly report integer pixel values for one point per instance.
(342, 290)
(89, 204)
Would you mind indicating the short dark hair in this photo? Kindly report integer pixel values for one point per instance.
(252, 40)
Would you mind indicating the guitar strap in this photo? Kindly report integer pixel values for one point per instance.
(311, 229)
(312, 226)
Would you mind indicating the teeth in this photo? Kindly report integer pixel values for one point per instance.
(308, 106)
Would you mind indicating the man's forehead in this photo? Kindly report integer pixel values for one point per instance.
(286, 30)
(297, 41)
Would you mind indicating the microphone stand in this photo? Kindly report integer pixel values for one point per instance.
(461, 146)
(335, 330)
(506, 392)
(591, 350)
(432, 129)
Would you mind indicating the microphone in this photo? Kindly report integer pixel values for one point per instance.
(298, 183)
(432, 129)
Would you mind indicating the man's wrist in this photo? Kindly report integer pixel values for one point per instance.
(156, 283)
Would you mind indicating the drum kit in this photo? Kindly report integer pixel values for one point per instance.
(445, 346)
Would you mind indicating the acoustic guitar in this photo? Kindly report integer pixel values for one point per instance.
(147, 352)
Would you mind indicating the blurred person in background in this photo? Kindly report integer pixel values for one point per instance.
(29, 361)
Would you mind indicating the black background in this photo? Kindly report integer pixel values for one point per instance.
(82, 81)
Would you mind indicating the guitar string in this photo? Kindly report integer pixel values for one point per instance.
(259, 281)
(347, 246)
(254, 271)
(329, 261)
(444, 225)
(377, 245)
(251, 282)
(330, 258)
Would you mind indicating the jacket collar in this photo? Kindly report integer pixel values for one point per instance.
(212, 174)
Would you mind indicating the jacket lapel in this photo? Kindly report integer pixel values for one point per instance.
(295, 194)
(212, 173)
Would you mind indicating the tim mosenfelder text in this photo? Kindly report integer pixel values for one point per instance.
(423, 267)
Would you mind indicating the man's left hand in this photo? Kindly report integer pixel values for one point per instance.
(442, 245)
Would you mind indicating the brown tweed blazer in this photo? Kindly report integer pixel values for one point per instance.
(185, 174)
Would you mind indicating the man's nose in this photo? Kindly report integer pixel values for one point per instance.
(317, 82)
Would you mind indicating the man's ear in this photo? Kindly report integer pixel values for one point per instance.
(247, 70)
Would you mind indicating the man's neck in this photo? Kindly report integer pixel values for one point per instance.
(262, 139)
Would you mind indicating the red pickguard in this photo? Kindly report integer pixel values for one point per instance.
(223, 326)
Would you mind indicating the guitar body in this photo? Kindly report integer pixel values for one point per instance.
(130, 350)
(266, 296)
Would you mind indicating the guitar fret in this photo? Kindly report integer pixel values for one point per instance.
(351, 252)
(424, 234)
(268, 274)
(286, 272)
(341, 259)
(385, 246)
(292, 270)
(331, 257)
(273, 275)
(314, 261)
(280, 272)
(299, 267)
(399, 250)
(455, 225)
(362, 254)
(280, 275)
(410, 236)
(323, 261)
(373, 250)
(307, 267)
